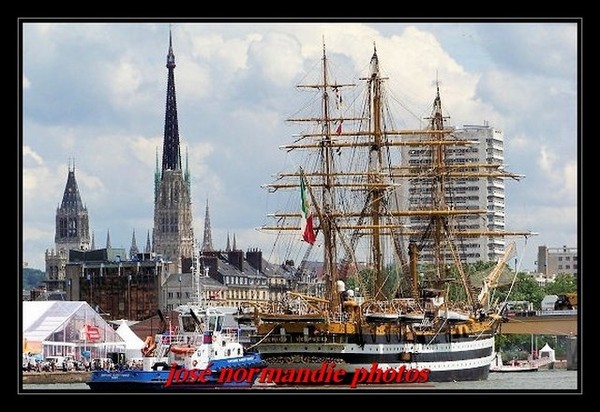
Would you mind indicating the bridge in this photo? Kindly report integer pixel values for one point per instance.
(556, 322)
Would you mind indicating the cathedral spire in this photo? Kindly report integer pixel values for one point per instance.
(148, 248)
(71, 198)
(171, 158)
(173, 234)
(133, 251)
(108, 246)
(207, 242)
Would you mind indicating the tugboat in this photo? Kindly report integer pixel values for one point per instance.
(200, 354)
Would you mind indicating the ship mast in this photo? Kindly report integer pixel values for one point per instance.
(329, 243)
(439, 225)
(441, 229)
(376, 193)
(326, 207)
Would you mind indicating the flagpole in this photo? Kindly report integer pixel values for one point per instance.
(179, 290)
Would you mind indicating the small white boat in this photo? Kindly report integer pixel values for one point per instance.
(514, 366)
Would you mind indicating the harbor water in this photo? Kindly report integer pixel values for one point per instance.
(554, 380)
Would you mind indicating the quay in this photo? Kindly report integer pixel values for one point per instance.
(549, 324)
(40, 378)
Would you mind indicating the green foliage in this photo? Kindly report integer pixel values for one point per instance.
(525, 287)
(366, 283)
(520, 346)
(563, 283)
(32, 278)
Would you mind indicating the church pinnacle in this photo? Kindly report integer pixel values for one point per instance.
(207, 241)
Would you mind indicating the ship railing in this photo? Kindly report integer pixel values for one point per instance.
(231, 334)
(288, 338)
(167, 340)
(565, 312)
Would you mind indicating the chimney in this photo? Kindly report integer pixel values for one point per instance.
(236, 258)
(254, 258)
(211, 263)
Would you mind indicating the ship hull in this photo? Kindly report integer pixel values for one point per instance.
(222, 374)
(152, 381)
(465, 359)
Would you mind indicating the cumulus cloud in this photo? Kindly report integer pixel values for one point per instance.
(96, 93)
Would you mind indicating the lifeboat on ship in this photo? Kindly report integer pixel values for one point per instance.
(182, 350)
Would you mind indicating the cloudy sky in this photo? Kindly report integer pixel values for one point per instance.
(94, 93)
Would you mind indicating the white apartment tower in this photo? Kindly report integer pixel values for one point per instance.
(473, 191)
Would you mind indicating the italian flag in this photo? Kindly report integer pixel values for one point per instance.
(306, 223)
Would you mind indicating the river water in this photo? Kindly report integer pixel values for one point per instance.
(553, 380)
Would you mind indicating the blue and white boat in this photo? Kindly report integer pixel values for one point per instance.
(198, 354)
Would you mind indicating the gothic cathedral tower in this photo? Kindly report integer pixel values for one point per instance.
(72, 232)
(173, 236)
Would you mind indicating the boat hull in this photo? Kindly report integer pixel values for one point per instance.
(460, 360)
(222, 374)
(514, 369)
(152, 381)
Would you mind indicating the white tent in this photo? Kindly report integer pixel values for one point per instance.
(67, 328)
(547, 353)
(133, 344)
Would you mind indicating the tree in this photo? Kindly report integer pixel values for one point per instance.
(32, 278)
(563, 283)
(526, 288)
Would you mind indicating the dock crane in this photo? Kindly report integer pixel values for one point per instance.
(491, 281)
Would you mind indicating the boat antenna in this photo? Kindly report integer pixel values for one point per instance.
(196, 320)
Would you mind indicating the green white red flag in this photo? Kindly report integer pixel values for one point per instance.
(306, 223)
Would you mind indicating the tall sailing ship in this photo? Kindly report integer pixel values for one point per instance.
(379, 305)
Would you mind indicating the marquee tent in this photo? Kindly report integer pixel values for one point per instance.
(133, 344)
(67, 328)
(547, 353)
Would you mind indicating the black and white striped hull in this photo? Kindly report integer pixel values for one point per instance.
(464, 360)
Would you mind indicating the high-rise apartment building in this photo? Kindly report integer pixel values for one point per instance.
(480, 186)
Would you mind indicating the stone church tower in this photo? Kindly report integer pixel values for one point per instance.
(173, 236)
(72, 232)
